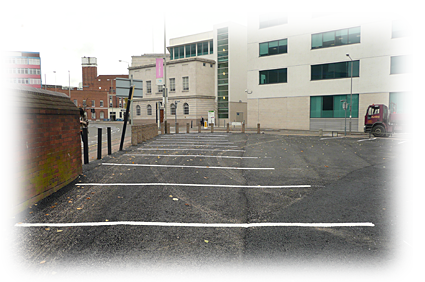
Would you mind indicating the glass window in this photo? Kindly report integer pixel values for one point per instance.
(149, 110)
(283, 46)
(172, 84)
(199, 49)
(173, 109)
(264, 49)
(264, 20)
(138, 111)
(354, 35)
(273, 47)
(186, 83)
(315, 107)
(399, 64)
(205, 48)
(273, 76)
(329, 39)
(400, 29)
(334, 70)
(211, 46)
(148, 87)
(341, 37)
(316, 41)
(408, 27)
(186, 108)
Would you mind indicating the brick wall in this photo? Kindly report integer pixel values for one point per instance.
(50, 144)
(141, 133)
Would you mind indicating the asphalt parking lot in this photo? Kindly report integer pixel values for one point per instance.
(208, 201)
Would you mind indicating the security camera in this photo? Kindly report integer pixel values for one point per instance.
(348, 55)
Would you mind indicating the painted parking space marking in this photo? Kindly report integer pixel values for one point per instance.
(189, 166)
(198, 225)
(185, 149)
(368, 139)
(197, 185)
(191, 156)
(326, 138)
(193, 145)
(192, 142)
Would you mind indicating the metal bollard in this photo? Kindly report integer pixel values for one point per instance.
(243, 127)
(187, 127)
(212, 127)
(199, 128)
(177, 128)
(99, 143)
(86, 145)
(228, 127)
(108, 129)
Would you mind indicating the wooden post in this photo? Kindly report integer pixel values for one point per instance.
(228, 127)
(258, 128)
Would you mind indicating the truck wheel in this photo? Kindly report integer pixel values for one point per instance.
(378, 131)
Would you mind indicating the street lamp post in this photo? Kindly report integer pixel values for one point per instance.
(175, 108)
(351, 88)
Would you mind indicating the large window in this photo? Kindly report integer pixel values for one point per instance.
(149, 110)
(186, 83)
(172, 84)
(186, 108)
(399, 64)
(334, 70)
(335, 38)
(408, 27)
(223, 72)
(331, 106)
(173, 109)
(148, 87)
(409, 102)
(273, 76)
(138, 110)
(272, 20)
(274, 47)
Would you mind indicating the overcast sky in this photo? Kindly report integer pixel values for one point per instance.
(63, 38)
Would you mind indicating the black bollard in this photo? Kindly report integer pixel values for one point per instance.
(99, 143)
(85, 145)
(109, 141)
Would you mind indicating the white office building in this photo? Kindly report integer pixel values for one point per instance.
(299, 75)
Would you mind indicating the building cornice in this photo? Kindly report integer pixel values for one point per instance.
(174, 62)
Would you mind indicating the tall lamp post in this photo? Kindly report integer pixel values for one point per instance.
(351, 88)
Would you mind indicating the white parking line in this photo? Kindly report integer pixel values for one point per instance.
(214, 225)
(193, 145)
(191, 142)
(369, 139)
(189, 166)
(332, 138)
(183, 149)
(197, 185)
(191, 156)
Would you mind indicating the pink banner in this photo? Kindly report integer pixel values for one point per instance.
(159, 68)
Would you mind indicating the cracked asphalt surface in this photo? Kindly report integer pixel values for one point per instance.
(350, 181)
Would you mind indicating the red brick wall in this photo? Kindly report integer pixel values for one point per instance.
(50, 147)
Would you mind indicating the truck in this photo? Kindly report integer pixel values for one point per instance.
(382, 121)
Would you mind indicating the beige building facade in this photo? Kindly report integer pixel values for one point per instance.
(190, 84)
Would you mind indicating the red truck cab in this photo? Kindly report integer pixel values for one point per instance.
(382, 122)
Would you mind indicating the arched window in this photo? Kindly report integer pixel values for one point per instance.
(186, 108)
(149, 110)
(138, 111)
(173, 109)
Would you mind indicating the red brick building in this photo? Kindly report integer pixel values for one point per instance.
(97, 96)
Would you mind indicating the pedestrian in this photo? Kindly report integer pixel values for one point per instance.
(84, 123)
(202, 121)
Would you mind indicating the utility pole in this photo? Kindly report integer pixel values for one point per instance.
(165, 93)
